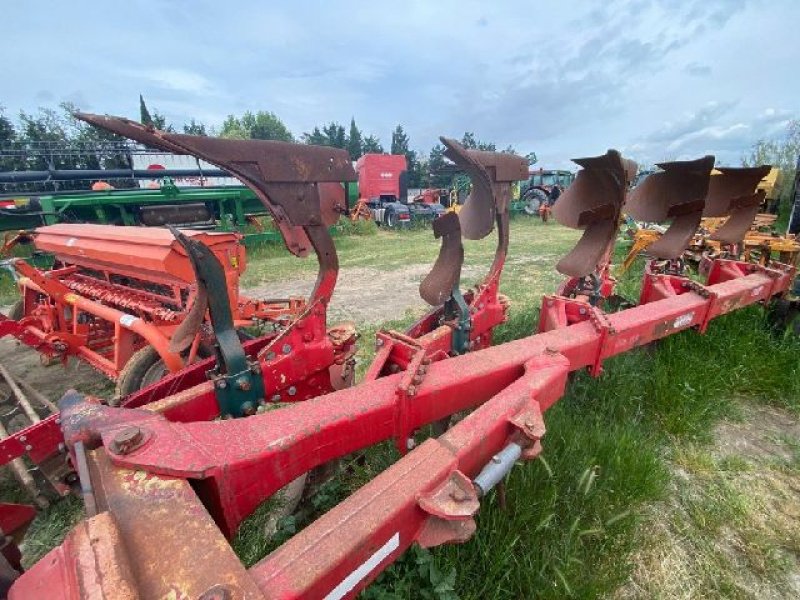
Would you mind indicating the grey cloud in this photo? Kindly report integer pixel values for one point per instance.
(705, 117)
(558, 79)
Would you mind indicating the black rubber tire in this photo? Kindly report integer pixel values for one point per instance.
(533, 200)
(138, 371)
(783, 317)
(17, 311)
(390, 219)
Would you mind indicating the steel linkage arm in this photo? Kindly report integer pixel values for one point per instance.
(146, 462)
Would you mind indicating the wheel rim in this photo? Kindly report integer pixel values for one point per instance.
(155, 373)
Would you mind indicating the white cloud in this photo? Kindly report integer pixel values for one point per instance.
(177, 79)
(566, 79)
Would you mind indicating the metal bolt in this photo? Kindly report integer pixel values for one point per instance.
(292, 391)
(127, 440)
(217, 592)
(286, 349)
(255, 368)
(248, 409)
(222, 384)
(61, 447)
(28, 448)
(58, 420)
(582, 311)
(22, 438)
(270, 356)
(379, 342)
(275, 398)
(459, 495)
(411, 443)
(243, 384)
(411, 391)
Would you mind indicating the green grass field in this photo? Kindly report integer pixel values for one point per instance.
(631, 484)
(579, 521)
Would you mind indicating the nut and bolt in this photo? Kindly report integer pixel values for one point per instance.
(127, 440)
(459, 495)
(270, 356)
(243, 383)
(222, 384)
(286, 349)
(411, 391)
(378, 343)
(275, 398)
(217, 592)
(292, 391)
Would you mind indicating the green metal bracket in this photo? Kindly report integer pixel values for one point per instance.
(456, 308)
(238, 385)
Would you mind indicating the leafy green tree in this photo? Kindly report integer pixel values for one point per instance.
(400, 145)
(144, 114)
(194, 128)
(267, 126)
(7, 131)
(399, 141)
(232, 128)
(335, 134)
(372, 145)
(440, 176)
(470, 142)
(355, 145)
(8, 135)
(262, 125)
(316, 137)
(781, 152)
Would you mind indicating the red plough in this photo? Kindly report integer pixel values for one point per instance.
(161, 479)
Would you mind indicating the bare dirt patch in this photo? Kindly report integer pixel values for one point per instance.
(366, 295)
(730, 527)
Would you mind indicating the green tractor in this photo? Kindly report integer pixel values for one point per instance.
(543, 189)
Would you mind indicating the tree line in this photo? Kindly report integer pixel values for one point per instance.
(21, 142)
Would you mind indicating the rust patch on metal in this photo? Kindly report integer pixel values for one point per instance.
(593, 202)
(444, 276)
(491, 174)
(678, 192)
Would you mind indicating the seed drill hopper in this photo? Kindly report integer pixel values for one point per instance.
(166, 484)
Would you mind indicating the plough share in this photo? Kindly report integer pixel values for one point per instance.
(167, 481)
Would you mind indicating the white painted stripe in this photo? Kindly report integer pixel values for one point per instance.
(350, 582)
(127, 320)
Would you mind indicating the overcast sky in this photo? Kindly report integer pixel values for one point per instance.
(657, 80)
